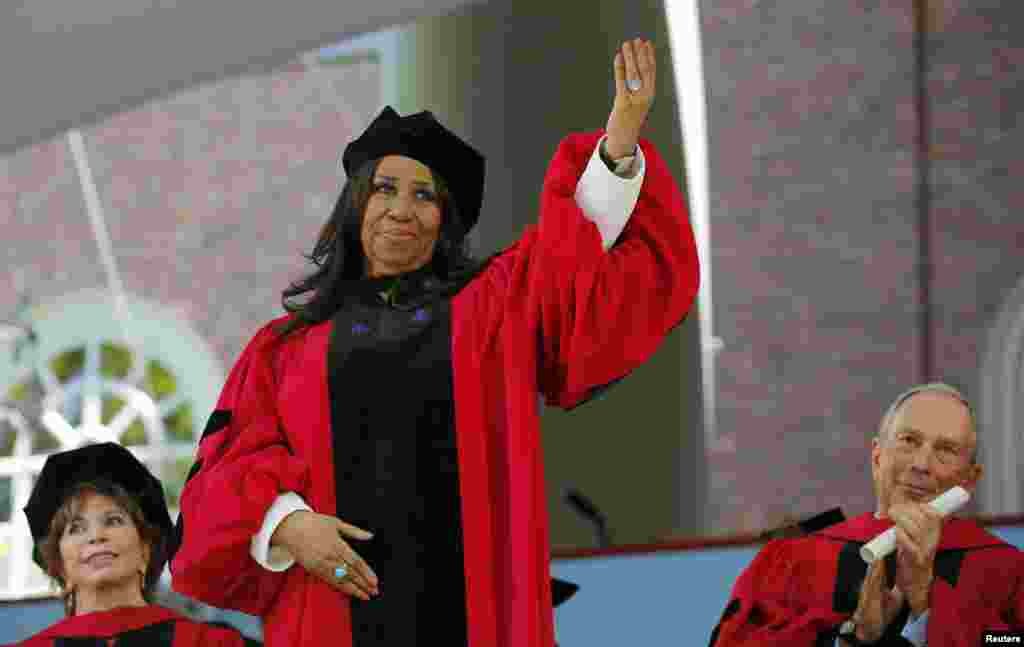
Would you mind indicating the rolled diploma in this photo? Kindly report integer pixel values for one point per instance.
(945, 504)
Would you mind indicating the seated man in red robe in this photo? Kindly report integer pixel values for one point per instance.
(948, 581)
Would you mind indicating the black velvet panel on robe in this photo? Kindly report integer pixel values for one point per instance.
(396, 466)
(155, 635)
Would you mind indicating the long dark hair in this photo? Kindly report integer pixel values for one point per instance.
(338, 255)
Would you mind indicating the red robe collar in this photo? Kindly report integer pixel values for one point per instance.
(104, 624)
(956, 533)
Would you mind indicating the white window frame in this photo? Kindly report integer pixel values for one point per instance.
(86, 319)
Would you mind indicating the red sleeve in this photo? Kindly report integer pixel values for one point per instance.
(242, 464)
(764, 609)
(603, 313)
(188, 633)
(992, 599)
(198, 634)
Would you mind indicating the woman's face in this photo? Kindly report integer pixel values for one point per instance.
(101, 546)
(402, 220)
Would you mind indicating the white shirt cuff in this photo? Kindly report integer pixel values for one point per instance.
(276, 558)
(608, 199)
(916, 630)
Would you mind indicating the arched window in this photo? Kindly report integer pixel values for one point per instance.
(1001, 412)
(147, 383)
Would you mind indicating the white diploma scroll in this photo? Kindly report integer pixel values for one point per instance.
(945, 504)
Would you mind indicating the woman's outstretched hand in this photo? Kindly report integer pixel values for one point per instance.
(316, 542)
(634, 68)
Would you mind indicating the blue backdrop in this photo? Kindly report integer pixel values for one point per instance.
(664, 599)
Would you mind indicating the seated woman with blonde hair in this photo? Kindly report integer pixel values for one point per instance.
(101, 529)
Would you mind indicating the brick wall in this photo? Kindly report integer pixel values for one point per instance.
(977, 87)
(814, 235)
(210, 196)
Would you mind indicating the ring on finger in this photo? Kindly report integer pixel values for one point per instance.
(634, 85)
(341, 572)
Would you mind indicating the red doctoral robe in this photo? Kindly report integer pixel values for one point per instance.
(554, 314)
(150, 626)
(797, 592)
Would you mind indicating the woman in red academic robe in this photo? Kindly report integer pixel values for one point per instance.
(101, 527)
(401, 397)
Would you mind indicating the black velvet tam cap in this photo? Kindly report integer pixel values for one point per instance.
(103, 462)
(424, 139)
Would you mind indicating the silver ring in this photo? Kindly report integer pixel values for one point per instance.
(341, 572)
(634, 85)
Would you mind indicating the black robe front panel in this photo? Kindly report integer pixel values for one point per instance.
(156, 635)
(396, 467)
